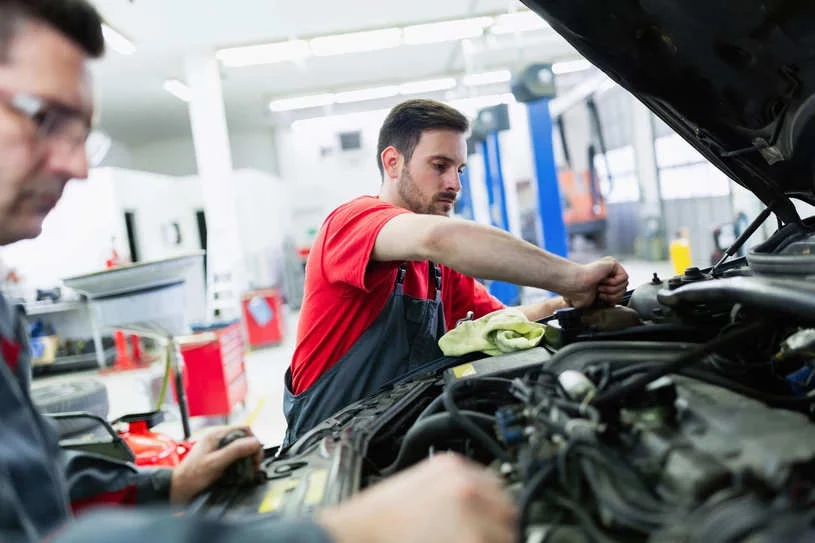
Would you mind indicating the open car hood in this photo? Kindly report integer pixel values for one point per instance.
(735, 79)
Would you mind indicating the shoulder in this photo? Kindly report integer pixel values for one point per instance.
(364, 207)
(367, 204)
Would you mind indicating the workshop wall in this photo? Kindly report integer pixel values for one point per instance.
(264, 206)
(88, 223)
(76, 236)
(320, 173)
(159, 202)
(323, 174)
(251, 149)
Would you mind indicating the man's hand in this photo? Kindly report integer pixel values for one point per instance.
(205, 463)
(604, 279)
(446, 499)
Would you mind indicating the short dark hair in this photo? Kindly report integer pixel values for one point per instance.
(77, 20)
(405, 123)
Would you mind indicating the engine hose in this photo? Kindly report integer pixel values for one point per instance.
(711, 378)
(469, 426)
(532, 490)
(433, 407)
(618, 393)
(494, 383)
(424, 434)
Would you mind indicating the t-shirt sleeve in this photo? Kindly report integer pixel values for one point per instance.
(483, 301)
(349, 238)
(469, 295)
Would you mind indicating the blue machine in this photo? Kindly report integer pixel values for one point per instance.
(496, 191)
(535, 86)
(464, 203)
(490, 122)
(549, 203)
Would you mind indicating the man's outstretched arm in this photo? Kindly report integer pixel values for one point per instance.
(490, 253)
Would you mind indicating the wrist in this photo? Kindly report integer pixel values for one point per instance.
(175, 491)
(560, 303)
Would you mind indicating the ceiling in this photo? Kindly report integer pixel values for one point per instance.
(136, 109)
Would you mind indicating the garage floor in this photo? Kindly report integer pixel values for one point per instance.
(129, 392)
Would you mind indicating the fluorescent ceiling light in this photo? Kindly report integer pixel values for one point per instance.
(522, 21)
(178, 89)
(361, 95)
(252, 55)
(460, 29)
(117, 41)
(487, 78)
(356, 42)
(570, 66)
(345, 121)
(302, 102)
(428, 85)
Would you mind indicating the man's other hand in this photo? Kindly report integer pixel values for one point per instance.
(444, 499)
(205, 462)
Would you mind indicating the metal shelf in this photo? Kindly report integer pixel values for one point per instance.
(44, 308)
(74, 362)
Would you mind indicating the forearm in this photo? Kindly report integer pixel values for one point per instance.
(489, 253)
(94, 480)
(539, 310)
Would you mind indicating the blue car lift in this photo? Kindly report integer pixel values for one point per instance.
(507, 293)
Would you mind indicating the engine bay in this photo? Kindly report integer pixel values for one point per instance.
(683, 415)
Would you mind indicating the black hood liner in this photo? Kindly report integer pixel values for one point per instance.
(735, 78)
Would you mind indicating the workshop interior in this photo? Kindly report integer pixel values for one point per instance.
(673, 136)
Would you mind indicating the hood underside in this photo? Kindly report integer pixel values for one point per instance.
(736, 78)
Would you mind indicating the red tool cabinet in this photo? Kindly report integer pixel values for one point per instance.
(263, 317)
(216, 373)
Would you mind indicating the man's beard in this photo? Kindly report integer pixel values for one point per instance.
(410, 194)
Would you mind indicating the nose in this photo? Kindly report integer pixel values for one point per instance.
(69, 160)
(453, 182)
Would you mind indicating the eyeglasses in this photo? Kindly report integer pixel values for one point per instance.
(55, 122)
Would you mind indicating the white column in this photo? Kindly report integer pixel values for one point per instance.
(225, 260)
(646, 161)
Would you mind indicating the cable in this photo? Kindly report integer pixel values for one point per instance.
(469, 426)
(628, 510)
(692, 357)
(432, 407)
(583, 517)
(422, 435)
(483, 382)
(715, 379)
(531, 489)
(553, 527)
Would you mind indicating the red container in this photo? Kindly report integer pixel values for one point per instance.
(152, 449)
(263, 318)
(215, 370)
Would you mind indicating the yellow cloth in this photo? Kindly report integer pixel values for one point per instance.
(502, 331)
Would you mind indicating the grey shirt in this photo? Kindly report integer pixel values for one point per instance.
(38, 480)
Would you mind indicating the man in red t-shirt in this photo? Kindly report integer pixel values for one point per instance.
(387, 275)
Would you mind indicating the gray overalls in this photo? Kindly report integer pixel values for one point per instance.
(402, 340)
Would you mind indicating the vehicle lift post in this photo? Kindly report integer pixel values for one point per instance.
(535, 86)
(489, 123)
(465, 200)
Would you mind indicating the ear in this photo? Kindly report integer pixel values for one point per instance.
(391, 161)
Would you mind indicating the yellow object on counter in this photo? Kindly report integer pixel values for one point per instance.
(503, 331)
(680, 253)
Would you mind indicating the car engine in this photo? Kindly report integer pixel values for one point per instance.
(684, 415)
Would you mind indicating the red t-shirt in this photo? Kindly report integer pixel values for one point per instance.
(345, 291)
